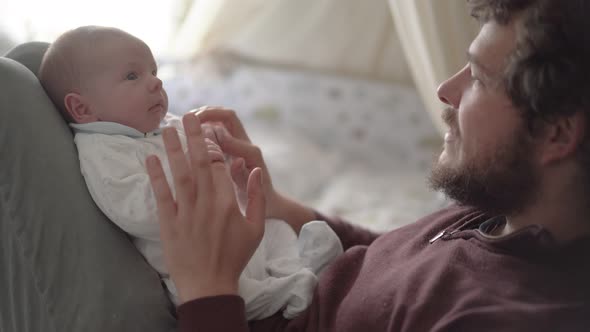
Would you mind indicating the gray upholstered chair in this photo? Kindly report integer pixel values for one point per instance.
(63, 265)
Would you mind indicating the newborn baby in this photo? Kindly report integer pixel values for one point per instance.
(104, 82)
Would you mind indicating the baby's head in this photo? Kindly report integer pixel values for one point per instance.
(104, 74)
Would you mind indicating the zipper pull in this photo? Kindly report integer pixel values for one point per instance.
(445, 233)
(437, 236)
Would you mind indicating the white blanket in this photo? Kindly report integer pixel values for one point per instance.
(281, 274)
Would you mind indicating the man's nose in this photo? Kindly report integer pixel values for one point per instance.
(451, 90)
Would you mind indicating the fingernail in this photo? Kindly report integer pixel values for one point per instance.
(260, 175)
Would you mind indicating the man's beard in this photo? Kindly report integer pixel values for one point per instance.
(502, 183)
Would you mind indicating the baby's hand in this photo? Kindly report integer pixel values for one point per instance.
(214, 131)
(215, 153)
(212, 141)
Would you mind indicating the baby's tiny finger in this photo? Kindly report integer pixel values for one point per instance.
(215, 153)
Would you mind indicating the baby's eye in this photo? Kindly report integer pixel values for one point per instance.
(155, 72)
(131, 76)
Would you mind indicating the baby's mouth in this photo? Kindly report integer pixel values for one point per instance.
(156, 108)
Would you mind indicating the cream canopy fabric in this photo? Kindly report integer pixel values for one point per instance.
(343, 36)
(435, 35)
(419, 42)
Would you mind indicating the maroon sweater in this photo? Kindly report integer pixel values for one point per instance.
(402, 281)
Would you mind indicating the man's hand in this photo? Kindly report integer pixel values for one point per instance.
(246, 157)
(207, 241)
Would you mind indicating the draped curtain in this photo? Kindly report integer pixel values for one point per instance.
(342, 36)
(418, 42)
(435, 35)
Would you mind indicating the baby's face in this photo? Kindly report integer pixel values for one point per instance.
(123, 86)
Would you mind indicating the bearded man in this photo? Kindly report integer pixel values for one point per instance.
(512, 255)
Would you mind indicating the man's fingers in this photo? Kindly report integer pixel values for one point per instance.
(198, 156)
(208, 132)
(227, 117)
(181, 173)
(239, 173)
(162, 192)
(238, 148)
(256, 207)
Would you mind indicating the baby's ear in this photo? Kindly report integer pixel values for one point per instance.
(78, 109)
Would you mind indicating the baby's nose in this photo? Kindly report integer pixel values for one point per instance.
(156, 84)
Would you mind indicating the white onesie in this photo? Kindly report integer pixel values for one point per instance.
(282, 272)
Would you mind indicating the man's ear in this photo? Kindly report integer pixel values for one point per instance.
(78, 108)
(563, 137)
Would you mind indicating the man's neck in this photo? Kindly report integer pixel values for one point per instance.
(562, 212)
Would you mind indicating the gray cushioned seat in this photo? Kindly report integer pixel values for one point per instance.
(63, 265)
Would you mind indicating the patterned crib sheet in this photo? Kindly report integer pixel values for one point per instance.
(353, 147)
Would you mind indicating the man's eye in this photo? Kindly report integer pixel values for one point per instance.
(131, 76)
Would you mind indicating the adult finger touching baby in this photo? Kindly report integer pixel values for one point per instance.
(235, 142)
(213, 133)
(212, 142)
(207, 241)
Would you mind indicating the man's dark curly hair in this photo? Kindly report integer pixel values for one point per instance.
(548, 75)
